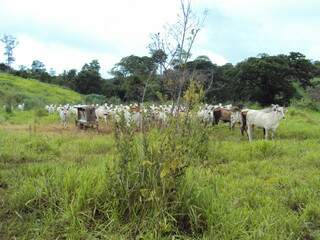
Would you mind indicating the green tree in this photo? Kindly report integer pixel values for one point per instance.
(67, 78)
(37, 67)
(134, 66)
(38, 71)
(270, 79)
(89, 80)
(302, 69)
(132, 74)
(317, 68)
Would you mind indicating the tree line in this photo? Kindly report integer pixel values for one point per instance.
(264, 79)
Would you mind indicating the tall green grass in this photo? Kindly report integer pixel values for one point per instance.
(34, 93)
(69, 185)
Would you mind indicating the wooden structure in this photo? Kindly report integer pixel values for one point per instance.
(86, 117)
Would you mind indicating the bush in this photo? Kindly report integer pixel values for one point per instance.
(8, 108)
(94, 99)
(41, 112)
(306, 103)
(114, 100)
(31, 103)
(148, 175)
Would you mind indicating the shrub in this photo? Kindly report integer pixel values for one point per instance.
(148, 175)
(94, 99)
(113, 100)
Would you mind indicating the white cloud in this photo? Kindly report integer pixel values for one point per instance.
(48, 29)
(65, 34)
(57, 56)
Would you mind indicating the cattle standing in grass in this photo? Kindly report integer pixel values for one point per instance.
(102, 112)
(226, 115)
(235, 118)
(21, 106)
(268, 119)
(50, 108)
(63, 113)
(206, 114)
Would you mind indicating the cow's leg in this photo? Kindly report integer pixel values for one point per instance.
(266, 133)
(243, 129)
(272, 134)
(249, 131)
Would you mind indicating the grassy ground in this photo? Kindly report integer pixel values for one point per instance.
(53, 182)
(33, 92)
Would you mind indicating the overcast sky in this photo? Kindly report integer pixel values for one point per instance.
(65, 34)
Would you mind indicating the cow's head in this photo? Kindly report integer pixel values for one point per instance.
(279, 110)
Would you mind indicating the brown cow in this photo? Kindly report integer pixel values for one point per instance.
(222, 114)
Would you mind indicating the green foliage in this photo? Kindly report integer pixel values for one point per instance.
(184, 181)
(149, 173)
(131, 75)
(193, 95)
(114, 100)
(94, 99)
(264, 79)
(88, 80)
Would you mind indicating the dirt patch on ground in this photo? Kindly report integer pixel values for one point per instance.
(56, 129)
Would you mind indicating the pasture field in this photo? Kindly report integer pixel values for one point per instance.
(33, 92)
(54, 183)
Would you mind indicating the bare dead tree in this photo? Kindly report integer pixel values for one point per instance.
(10, 43)
(176, 44)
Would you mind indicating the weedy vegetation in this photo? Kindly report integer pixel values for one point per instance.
(185, 181)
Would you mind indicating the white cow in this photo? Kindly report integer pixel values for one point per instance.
(21, 106)
(102, 112)
(268, 119)
(50, 108)
(64, 114)
(235, 118)
(206, 114)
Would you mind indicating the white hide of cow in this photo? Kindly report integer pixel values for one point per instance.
(102, 113)
(206, 114)
(64, 114)
(235, 118)
(268, 119)
(21, 106)
(50, 108)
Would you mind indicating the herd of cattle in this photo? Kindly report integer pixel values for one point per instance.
(268, 119)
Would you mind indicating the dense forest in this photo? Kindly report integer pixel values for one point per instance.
(264, 79)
